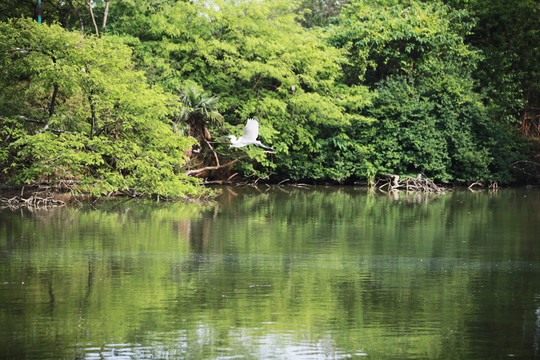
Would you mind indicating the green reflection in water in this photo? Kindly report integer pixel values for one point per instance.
(278, 272)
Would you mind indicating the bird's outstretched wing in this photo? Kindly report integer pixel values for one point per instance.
(251, 131)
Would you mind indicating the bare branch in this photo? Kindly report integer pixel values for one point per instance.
(33, 201)
(528, 167)
(198, 171)
(31, 120)
(476, 183)
(211, 148)
(419, 183)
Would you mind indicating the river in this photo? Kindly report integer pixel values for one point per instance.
(278, 272)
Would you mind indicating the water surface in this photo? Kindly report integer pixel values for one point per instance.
(275, 273)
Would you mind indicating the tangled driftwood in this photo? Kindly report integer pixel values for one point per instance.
(32, 201)
(393, 182)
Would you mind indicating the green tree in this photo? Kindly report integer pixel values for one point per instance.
(429, 116)
(87, 16)
(508, 33)
(318, 12)
(74, 108)
(199, 110)
(391, 86)
(261, 63)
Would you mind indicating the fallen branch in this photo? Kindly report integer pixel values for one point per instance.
(32, 201)
(207, 168)
(283, 181)
(218, 182)
(494, 186)
(420, 184)
(476, 183)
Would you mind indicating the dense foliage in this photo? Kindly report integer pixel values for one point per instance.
(79, 111)
(509, 72)
(343, 92)
(429, 118)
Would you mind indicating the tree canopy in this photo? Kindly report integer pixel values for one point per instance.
(343, 91)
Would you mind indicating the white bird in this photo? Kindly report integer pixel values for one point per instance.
(251, 132)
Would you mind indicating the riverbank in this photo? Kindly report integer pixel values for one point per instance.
(44, 196)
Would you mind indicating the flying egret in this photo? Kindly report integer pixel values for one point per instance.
(251, 132)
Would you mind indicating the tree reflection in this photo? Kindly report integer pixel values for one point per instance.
(286, 271)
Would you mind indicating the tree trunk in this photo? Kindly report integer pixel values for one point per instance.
(89, 3)
(81, 21)
(105, 15)
(53, 99)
